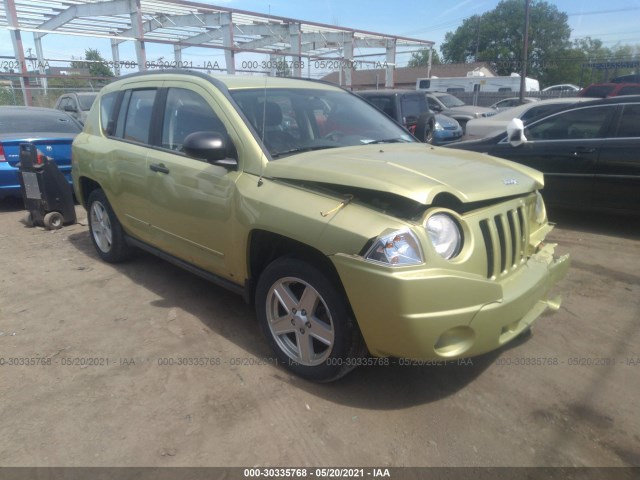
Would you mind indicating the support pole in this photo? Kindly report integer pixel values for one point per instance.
(18, 50)
(391, 63)
(115, 55)
(227, 42)
(37, 40)
(525, 51)
(296, 49)
(347, 64)
(138, 33)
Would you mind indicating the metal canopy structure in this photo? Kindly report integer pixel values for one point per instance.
(185, 24)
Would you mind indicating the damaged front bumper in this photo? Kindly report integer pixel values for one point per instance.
(432, 314)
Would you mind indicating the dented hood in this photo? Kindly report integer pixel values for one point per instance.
(417, 171)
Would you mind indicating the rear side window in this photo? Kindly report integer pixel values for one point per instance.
(541, 111)
(630, 90)
(425, 84)
(187, 112)
(598, 91)
(383, 103)
(107, 121)
(413, 106)
(138, 116)
(629, 125)
(582, 123)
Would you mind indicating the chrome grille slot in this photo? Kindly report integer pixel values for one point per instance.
(505, 237)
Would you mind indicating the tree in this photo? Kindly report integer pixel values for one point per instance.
(96, 64)
(496, 37)
(421, 58)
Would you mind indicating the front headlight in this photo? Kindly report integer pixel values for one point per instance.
(438, 126)
(398, 248)
(444, 234)
(541, 211)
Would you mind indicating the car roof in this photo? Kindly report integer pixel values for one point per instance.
(516, 111)
(614, 100)
(389, 92)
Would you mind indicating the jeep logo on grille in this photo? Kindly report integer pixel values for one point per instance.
(510, 181)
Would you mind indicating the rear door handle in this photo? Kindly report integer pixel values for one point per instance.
(582, 150)
(159, 167)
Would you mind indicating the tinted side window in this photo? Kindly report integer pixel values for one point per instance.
(540, 111)
(630, 90)
(582, 123)
(383, 103)
(433, 104)
(598, 91)
(138, 119)
(64, 101)
(629, 125)
(107, 103)
(413, 106)
(187, 112)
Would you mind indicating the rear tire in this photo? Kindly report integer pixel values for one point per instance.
(306, 321)
(105, 230)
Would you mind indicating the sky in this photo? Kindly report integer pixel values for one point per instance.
(614, 21)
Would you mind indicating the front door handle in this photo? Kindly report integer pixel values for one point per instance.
(159, 167)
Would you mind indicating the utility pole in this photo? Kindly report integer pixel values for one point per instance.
(525, 51)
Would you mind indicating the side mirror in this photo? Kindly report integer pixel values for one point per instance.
(515, 132)
(70, 108)
(209, 146)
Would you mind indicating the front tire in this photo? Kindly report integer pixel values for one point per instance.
(306, 321)
(106, 232)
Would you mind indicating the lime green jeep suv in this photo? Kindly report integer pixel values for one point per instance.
(350, 236)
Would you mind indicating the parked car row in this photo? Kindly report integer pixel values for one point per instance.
(410, 109)
(589, 152)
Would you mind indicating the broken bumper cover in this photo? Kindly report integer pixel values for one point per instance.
(436, 314)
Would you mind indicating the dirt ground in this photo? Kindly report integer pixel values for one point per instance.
(98, 387)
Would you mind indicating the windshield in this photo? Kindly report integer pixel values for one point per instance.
(450, 101)
(86, 101)
(296, 120)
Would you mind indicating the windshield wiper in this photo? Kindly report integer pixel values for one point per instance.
(301, 149)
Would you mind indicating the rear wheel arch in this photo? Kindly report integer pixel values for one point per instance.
(87, 186)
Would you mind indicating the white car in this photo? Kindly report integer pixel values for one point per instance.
(512, 102)
(565, 87)
(489, 126)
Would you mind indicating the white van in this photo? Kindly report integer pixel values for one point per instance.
(475, 83)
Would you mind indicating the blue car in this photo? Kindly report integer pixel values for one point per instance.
(52, 131)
